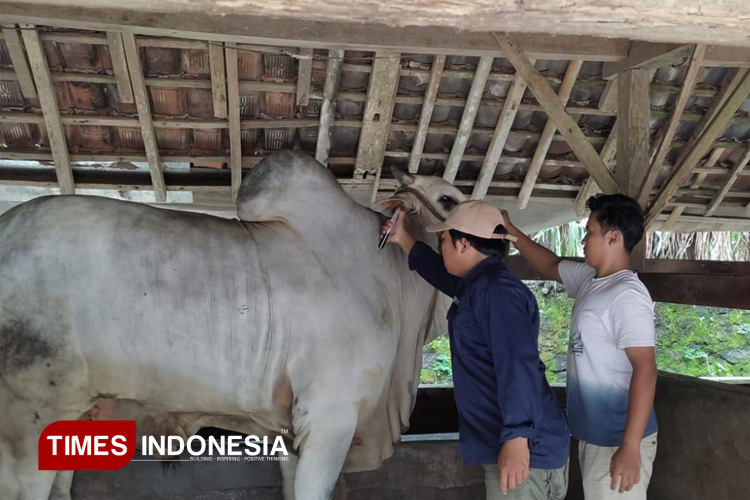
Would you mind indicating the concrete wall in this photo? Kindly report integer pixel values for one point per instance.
(704, 453)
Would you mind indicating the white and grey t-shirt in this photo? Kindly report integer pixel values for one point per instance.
(610, 314)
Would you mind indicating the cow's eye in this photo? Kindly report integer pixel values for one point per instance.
(447, 202)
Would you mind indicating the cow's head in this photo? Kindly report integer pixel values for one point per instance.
(428, 198)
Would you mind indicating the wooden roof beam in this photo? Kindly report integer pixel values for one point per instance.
(732, 95)
(378, 113)
(663, 143)
(218, 78)
(644, 55)
(556, 111)
(735, 173)
(425, 115)
(500, 137)
(535, 167)
(143, 106)
(304, 76)
(120, 67)
(473, 101)
(591, 188)
(328, 106)
(233, 99)
(19, 61)
(50, 111)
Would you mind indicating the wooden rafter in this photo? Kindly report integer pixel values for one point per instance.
(608, 99)
(120, 66)
(467, 119)
(304, 76)
(644, 55)
(733, 176)
(144, 115)
(692, 155)
(663, 142)
(499, 138)
(50, 111)
(218, 78)
(378, 113)
(235, 136)
(535, 167)
(328, 106)
(713, 159)
(556, 112)
(20, 63)
(590, 187)
(425, 115)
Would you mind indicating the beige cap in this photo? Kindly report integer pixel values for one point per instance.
(474, 217)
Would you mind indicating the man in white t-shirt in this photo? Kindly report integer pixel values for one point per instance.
(611, 361)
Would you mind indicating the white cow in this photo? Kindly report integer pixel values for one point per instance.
(289, 318)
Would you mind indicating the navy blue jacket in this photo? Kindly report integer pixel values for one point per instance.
(499, 383)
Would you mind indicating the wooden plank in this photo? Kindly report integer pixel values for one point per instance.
(499, 138)
(675, 266)
(436, 73)
(608, 99)
(55, 132)
(218, 78)
(702, 143)
(591, 188)
(673, 218)
(663, 143)
(304, 76)
(535, 167)
(378, 113)
(233, 99)
(645, 55)
(633, 134)
(328, 106)
(120, 67)
(473, 101)
(699, 289)
(712, 160)
(143, 106)
(19, 61)
(556, 112)
(735, 173)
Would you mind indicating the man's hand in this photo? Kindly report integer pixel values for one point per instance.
(625, 467)
(512, 230)
(513, 464)
(399, 235)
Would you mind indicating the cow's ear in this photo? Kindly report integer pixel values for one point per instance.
(402, 177)
(388, 206)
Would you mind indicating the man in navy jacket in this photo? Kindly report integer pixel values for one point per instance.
(509, 419)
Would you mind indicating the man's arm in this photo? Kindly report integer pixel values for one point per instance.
(626, 463)
(543, 260)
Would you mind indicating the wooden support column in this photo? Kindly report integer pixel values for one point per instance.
(663, 143)
(233, 99)
(535, 167)
(739, 85)
(143, 106)
(304, 76)
(425, 115)
(736, 171)
(218, 78)
(634, 108)
(591, 188)
(50, 111)
(20, 63)
(645, 55)
(556, 111)
(378, 112)
(120, 66)
(328, 106)
(499, 138)
(467, 119)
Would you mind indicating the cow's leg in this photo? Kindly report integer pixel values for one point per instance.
(288, 475)
(324, 434)
(61, 486)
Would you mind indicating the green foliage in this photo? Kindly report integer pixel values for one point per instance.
(691, 340)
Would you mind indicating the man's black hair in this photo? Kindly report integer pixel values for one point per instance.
(488, 247)
(619, 212)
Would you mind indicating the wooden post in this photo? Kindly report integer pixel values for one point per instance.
(143, 106)
(328, 106)
(426, 114)
(233, 98)
(633, 135)
(51, 112)
(378, 112)
(467, 119)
